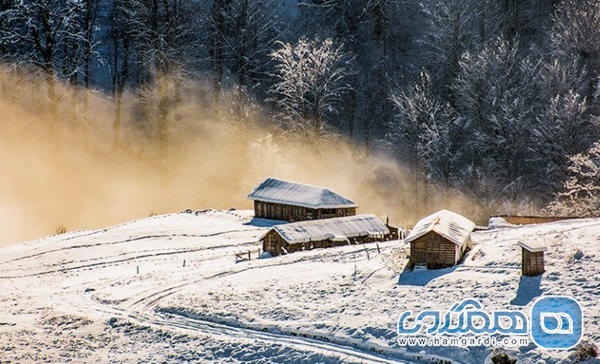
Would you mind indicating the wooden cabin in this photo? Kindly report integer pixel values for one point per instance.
(439, 240)
(290, 201)
(308, 235)
(532, 258)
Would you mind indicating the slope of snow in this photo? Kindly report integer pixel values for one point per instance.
(78, 297)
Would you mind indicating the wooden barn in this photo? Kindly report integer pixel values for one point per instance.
(308, 235)
(439, 240)
(528, 220)
(532, 258)
(290, 201)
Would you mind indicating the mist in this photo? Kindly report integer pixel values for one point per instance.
(84, 180)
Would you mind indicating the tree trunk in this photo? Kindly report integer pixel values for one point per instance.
(121, 78)
(352, 114)
(163, 128)
(54, 121)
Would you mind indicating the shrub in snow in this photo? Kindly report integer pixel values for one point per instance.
(500, 357)
(61, 229)
(396, 260)
(583, 351)
(477, 253)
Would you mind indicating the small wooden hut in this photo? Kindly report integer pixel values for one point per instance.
(439, 240)
(532, 258)
(290, 201)
(308, 235)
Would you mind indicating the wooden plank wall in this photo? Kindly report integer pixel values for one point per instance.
(532, 263)
(527, 220)
(291, 213)
(433, 250)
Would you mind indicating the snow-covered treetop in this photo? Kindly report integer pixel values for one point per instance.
(299, 194)
(450, 225)
(336, 229)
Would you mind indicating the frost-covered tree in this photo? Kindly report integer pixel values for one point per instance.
(378, 34)
(563, 130)
(49, 35)
(498, 109)
(454, 27)
(241, 34)
(524, 18)
(580, 195)
(121, 56)
(269, 159)
(348, 16)
(569, 82)
(574, 42)
(166, 37)
(310, 84)
(421, 135)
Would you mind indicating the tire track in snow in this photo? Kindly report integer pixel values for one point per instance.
(233, 332)
(144, 312)
(106, 264)
(84, 246)
(154, 297)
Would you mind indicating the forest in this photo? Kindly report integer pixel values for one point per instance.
(493, 100)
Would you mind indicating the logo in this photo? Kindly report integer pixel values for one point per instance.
(556, 322)
(466, 317)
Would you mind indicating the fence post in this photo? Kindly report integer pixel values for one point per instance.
(367, 251)
(138, 269)
(249, 258)
(378, 250)
(184, 263)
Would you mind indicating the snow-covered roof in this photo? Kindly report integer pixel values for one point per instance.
(299, 194)
(533, 246)
(336, 229)
(448, 224)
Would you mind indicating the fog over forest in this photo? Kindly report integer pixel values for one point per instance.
(112, 110)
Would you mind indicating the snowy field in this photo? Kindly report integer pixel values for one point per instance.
(168, 289)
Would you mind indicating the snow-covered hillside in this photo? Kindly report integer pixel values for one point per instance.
(168, 289)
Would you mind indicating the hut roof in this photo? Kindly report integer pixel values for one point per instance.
(335, 229)
(448, 224)
(533, 246)
(299, 194)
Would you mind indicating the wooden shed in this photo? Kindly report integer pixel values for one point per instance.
(290, 201)
(532, 258)
(308, 235)
(439, 240)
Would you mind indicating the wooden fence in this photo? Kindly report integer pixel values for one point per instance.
(527, 220)
(246, 255)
